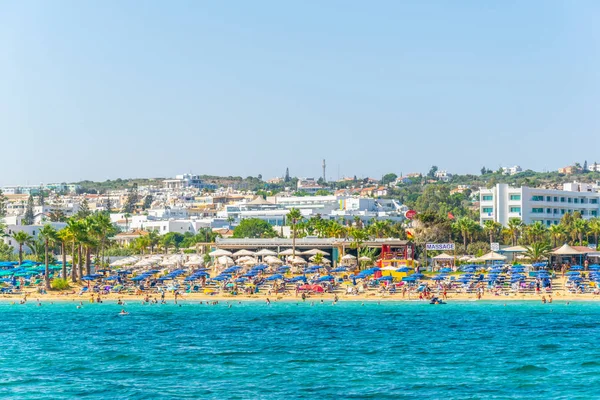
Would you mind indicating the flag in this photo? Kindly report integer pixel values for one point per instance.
(409, 235)
(450, 215)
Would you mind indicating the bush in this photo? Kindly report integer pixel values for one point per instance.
(60, 284)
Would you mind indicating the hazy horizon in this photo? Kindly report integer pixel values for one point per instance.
(96, 91)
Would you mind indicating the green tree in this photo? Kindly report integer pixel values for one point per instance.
(147, 202)
(3, 202)
(84, 209)
(293, 216)
(22, 238)
(389, 178)
(49, 236)
(29, 216)
(492, 228)
(64, 236)
(538, 251)
(254, 228)
(515, 226)
(57, 216)
(557, 233)
(594, 227)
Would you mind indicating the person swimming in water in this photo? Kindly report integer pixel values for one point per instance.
(268, 301)
(123, 312)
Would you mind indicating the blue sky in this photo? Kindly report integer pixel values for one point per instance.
(106, 89)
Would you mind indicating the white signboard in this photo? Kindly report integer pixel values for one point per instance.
(439, 246)
(495, 246)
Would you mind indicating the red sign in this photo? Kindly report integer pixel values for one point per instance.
(410, 214)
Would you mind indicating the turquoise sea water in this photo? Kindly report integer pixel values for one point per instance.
(290, 350)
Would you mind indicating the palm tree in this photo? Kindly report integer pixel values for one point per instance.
(64, 236)
(48, 234)
(515, 225)
(492, 228)
(153, 240)
(538, 251)
(72, 229)
(359, 236)
(126, 216)
(103, 229)
(294, 216)
(537, 231)
(22, 238)
(578, 229)
(557, 232)
(463, 225)
(594, 227)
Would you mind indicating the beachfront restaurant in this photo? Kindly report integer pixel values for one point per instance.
(392, 252)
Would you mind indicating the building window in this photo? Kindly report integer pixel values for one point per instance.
(488, 198)
(555, 198)
(488, 210)
(562, 199)
(593, 201)
(537, 198)
(556, 211)
(569, 200)
(515, 209)
(548, 211)
(515, 197)
(537, 210)
(576, 200)
(548, 198)
(594, 213)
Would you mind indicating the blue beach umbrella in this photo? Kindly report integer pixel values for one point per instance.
(326, 278)
(576, 268)
(447, 270)
(275, 277)
(404, 269)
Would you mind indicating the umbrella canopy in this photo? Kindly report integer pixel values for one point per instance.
(275, 277)
(242, 253)
(492, 256)
(272, 260)
(266, 252)
(297, 260)
(348, 257)
(566, 250)
(514, 249)
(224, 260)
(219, 253)
(443, 256)
(364, 258)
(314, 252)
(289, 252)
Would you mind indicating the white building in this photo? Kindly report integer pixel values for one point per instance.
(32, 230)
(443, 175)
(187, 181)
(512, 170)
(503, 203)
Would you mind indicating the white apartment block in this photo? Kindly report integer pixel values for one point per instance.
(512, 170)
(503, 203)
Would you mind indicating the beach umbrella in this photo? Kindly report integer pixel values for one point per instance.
(576, 268)
(409, 279)
(219, 253)
(272, 260)
(364, 258)
(446, 270)
(326, 278)
(385, 278)
(438, 278)
(241, 280)
(298, 279)
(594, 267)
(244, 252)
(417, 276)
(349, 257)
(265, 252)
(404, 269)
(87, 278)
(260, 267)
(339, 269)
(314, 252)
(283, 268)
(250, 274)
(288, 252)
(275, 277)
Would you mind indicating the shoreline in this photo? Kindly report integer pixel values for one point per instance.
(195, 297)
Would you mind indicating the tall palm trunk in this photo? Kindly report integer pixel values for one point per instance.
(293, 239)
(79, 262)
(88, 260)
(64, 260)
(20, 254)
(73, 258)
(47, 267)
